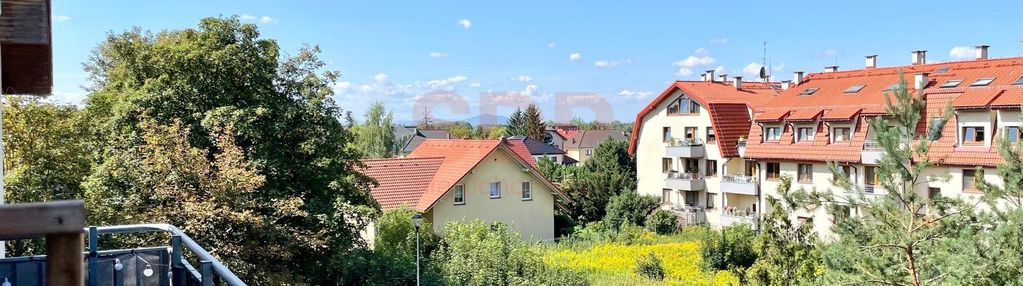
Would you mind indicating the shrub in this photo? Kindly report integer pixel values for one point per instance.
(731, 250)
(662, 222)
(649, 266)
(629, 207)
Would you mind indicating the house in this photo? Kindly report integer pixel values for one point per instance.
(823, 118)
(409, 137)
(554, 138)
(540, 150)
(26, 50)
(454, 180)
(583, 142)
(685, 142)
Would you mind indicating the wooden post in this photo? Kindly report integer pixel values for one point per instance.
(61, 223)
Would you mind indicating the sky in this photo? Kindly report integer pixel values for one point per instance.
(572, 58)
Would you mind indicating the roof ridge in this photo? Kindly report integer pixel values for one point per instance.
(888, 69)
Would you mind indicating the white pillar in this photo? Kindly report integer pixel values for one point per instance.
(3, 249)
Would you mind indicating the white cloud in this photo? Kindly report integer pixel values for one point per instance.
(552, 45)
(443, 83)
(253, 19)
(268, 20)
(522, 78)
(719, 41)
(684, 72)
(247, 17)
(436, 55)
(575, 57)
(634, 94)
(700, 52)
(610, 64)
(465, 23)
(61, 18)
(752, 69)
(475, 84)
(530, 90)
(719, 70)
(380, 78)
(695, 61)
(962, 53)
(343, 85)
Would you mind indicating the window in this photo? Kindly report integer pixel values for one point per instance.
(692, 166)
(840, 134)
(667, 134)
(773, 170)
(1018, 81)
(694, 107)
(854, 89)
(692, 198)
(666, 196)
(951, 83)
(893, 87)
(808, 91)
(665, 165)
(933, 193)
(841, 213)
(973, 135)
(969, 178)
(942, 70)
(772, 133)
(712, 167)
(690, 133)
(711, 138)
(683, 105)
(805, 134)
(527, 191)
(710, 200)
(844, 171)
(673, 108)
(805, 172)
(934, 131)
(589, 152)
(1013, 134)
(983, 81)
(459, 194)
(869, 178)
(495, 190)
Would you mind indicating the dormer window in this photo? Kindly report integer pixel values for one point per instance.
(805, 134)
(1013, 134)
(854, 89)
(973, 135)
(983, 81)
(951, 83)
(840, 134)
(772, 133)
(809, 91)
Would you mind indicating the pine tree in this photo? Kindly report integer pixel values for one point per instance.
(787, 254)
(516, 124)
(1001, 254)
(534, 125)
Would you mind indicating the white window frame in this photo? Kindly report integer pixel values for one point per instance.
(589, 152)
(1018, 134)
(495, 186)
(456, 192)
(834, 135)
(527, 191)
(767, 135)
(809, 136)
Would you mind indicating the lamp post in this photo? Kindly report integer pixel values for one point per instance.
(417, 220)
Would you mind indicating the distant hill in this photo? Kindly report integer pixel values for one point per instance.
(486, 119)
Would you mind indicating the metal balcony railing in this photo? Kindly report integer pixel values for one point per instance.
(684, 176)
(678, 142)
(871, 145)
(739, 179)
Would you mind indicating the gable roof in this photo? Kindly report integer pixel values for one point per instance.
(421, 135)
(710, 93)
(592, 138)
(535, 147)
(426, 174)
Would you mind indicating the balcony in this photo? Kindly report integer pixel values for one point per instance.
(741, 147)
(741, 185)
(688, 215)
(733, 217)
(685, 148)
(871, 153)
(684, 181)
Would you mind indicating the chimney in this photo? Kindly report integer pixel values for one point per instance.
(798, 77)
(871, 62)
(724, 77)
(919, 57)
(920, 81)
(710, 75)
(831, 69)
(737, 82)
(785, 84)
(982, 52)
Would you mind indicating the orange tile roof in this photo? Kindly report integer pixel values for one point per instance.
(872, 99)
(804, 115)
(433, 168)
(730, 121)
(752, 95)
(772, 115)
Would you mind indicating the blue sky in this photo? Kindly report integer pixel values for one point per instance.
(620, 53)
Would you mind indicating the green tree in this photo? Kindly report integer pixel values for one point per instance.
(534, 125)
(662, 222)
(462, 130)
(209, 128)
(786, 250)
(1001, 252)
(47, 154)
(611, 171)
(516, 124)
(629, 207)
(374, 137)
(393, 258)
(731, 250)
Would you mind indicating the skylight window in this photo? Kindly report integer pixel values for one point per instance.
(942, 70)
(951, 83)
(1018, 81)
(893, 87)
(983, 81)
(809, 91)
(855, 88)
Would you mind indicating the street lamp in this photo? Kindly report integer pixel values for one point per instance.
(417, 220)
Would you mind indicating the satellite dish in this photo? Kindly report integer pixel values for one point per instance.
(763, 72)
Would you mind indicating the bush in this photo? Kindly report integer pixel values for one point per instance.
(731, 250)
(629, 207)
(649, 266)
(662, 222)
(393, 259)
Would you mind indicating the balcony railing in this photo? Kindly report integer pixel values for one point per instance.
(685, 148)
(739, 179)
(684, 181)
(871, 153)
(689, 215)
(871, 145)
(733, 216)
(742, 185)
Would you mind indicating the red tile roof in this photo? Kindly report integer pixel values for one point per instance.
(423, 177)
(730, 121)
(872, 98)
(752, 95)
(772, 115)
(805, 115)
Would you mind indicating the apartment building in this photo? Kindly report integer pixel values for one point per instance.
(685, 143)
(823, 118)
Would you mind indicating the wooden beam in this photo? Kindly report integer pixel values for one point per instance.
(34, 220)
(64, 259)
